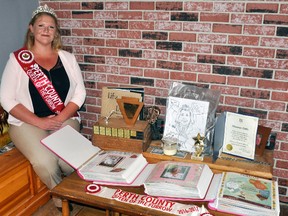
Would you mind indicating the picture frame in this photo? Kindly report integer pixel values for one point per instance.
(261, 139)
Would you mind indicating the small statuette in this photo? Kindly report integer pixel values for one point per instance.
(107, 117)
(169, 148)
(199, 147)
(153, 114)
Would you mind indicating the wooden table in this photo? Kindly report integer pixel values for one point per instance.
(72, 188)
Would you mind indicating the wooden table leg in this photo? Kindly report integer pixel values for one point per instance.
(107, 212)
(112, 213)
(65, 208)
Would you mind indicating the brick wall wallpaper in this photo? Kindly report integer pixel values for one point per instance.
(237, 47)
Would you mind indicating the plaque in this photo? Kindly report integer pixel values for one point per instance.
(130, 109)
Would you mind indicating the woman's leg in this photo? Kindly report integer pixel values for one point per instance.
(46, 164)
(27, 139)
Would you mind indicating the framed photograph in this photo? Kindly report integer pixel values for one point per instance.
(261, 139)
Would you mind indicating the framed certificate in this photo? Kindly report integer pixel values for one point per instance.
(239, 134)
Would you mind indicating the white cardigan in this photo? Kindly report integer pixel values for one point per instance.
(15, 85)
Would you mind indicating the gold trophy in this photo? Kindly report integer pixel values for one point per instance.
(199, 147)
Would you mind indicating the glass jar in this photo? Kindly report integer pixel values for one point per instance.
(169, 148)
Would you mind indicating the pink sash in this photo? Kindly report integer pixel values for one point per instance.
(45, 88)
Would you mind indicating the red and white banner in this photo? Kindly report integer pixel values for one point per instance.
(44, 86)
(147, 201)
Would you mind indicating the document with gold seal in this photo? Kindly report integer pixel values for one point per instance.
(236, 133)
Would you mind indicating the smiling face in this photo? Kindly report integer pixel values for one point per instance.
(184, 117)
(44, 30)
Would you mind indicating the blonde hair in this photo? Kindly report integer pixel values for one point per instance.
(29, 39)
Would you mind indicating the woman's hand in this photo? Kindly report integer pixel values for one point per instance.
(49, 123)
(45, 123)
(52, 122)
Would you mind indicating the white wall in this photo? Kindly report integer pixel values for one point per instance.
(14, 18)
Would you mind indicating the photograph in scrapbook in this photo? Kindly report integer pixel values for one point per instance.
(190, 110)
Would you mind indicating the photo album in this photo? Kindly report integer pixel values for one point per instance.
(246, 194)
(92, 163)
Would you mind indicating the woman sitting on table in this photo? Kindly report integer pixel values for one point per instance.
(42, 88)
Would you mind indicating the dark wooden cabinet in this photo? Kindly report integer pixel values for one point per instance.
(21, 191)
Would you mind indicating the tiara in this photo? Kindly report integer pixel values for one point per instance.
(44, 9)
